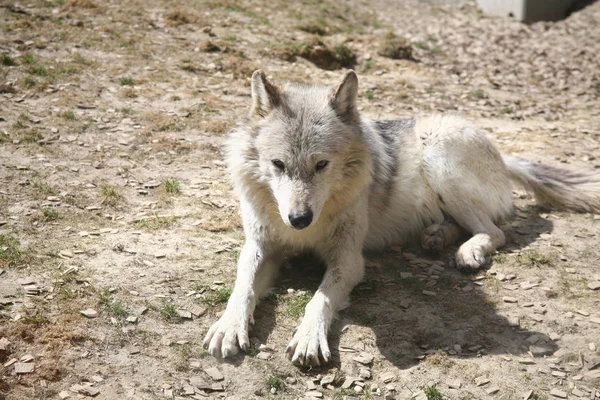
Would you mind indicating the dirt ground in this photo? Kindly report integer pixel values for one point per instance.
(114, 200)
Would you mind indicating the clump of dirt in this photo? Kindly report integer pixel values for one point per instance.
(179, 17)
(80, 4)
(209, 47)
(395, 47)
(317, 52)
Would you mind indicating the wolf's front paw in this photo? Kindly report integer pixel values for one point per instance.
(433, 238)
(226, 334)
(310, 338)
(470, 257)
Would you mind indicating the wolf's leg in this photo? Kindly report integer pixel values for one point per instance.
(257, 267)
(345, 268)
(487, 237)
(437, 237)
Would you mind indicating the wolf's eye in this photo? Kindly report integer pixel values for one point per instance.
(279, 164)
(321, 165)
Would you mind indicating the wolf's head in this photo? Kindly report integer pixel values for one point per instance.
(307, 146)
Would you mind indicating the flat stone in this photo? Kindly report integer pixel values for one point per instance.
(364, 358)
(89, 313)
(364, 373)
(481, 381)
(196, 310)
(215, 374)
(24, 368)
(131, 319)
(184, 313)
(388, 377)
(27, 358)
(492, 390)
(263, 355)
(592, 346)
(594, 285)
(429, 293)
(582, 312)
(314, 393)
(508, 299)
(349, 381)
(454, 384)
(64, 395)
(327, 379)
(577, 392)
(558, 393)
(526, 361)
(559, 374)
(541, 351)
(4, 343)
(595, 320)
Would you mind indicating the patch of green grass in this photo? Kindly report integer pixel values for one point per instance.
(29, 82)
(499, 258)
(111, 195)
(37, 320)
(7, 60)
(433, 393)
(276, 382)
(45, 189)
(369, 65)
(10, 253)
(230, 38)
(39, 71)
(216, 297)
(168, 312)
(171, 186)
(113, 307)
(533, 258)
(506, 110)
(49, 214)
(156, 222)
(69, 115)
(28, 59)
(477, 94)
(421, 45)
(370, 95)
(126, 81)
(340, 394)
(294, 305)
(185, 353)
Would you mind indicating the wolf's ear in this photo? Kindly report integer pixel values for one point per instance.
(343, 98)
(265, 95)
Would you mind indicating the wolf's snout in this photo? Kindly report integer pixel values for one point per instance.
(301, 219)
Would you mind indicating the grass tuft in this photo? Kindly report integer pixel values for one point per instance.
(126, 81)
(70, 115)
(275, 382)
(111, 195)
(7, 60)
(433, 393)
(172, 186)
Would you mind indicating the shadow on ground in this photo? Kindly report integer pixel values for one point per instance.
(407, 324)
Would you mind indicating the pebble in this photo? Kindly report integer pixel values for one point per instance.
(327, 379)
(263, 355)
(595, 320)
(388, 377)
(89, 313)
(577, 392)
(364, 358)
(429, 293)
(214, 374)
(559, 374)
(526, 361)
(492, 390)
(314, 393)
(184, 313)
(528, 395)
(454, 384)
(364, 373)
(507, 299)
(592, 346)
(482, 380)
(558, 393)
(349, 381)
(594, 285)
(24, 367)
(582, 312)
(64, 394)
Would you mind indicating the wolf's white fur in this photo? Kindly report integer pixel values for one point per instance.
(386, 181)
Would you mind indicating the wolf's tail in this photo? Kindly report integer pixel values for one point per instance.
(561, 188)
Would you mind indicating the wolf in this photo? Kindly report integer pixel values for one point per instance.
(313, 174)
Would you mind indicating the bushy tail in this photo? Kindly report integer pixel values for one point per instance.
(561, 188)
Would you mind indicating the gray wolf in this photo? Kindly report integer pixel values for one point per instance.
(313, 174)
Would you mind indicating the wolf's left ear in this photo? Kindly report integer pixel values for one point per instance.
(265, 95)
(343, 98)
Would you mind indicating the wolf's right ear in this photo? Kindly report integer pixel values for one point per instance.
(265, 95)
(343, 98)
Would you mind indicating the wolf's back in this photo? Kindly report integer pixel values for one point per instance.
(567, 189)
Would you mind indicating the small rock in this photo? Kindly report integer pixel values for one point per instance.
(132, 319)
(429, 293)
(541, 351)
(526, 361)
(482, 380)
(559, 374)
(349, 381)
(215, 374)
(528, 395)
(454, 384)
(327, 379)
(27, 358)
(184, 313)
(89, 313)
(388, 377)
(592, 346)
(314, 393)
(508, 299)
(364, 373)
(492, 390)
(263, 355)
(558, 393)
(24, 368)
(64, 395)
(594, 285)
(364, 358)
(4, 343)
(578, 393)
(290, 380)
(582, 312)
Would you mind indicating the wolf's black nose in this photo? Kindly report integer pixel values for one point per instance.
(300, 219)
